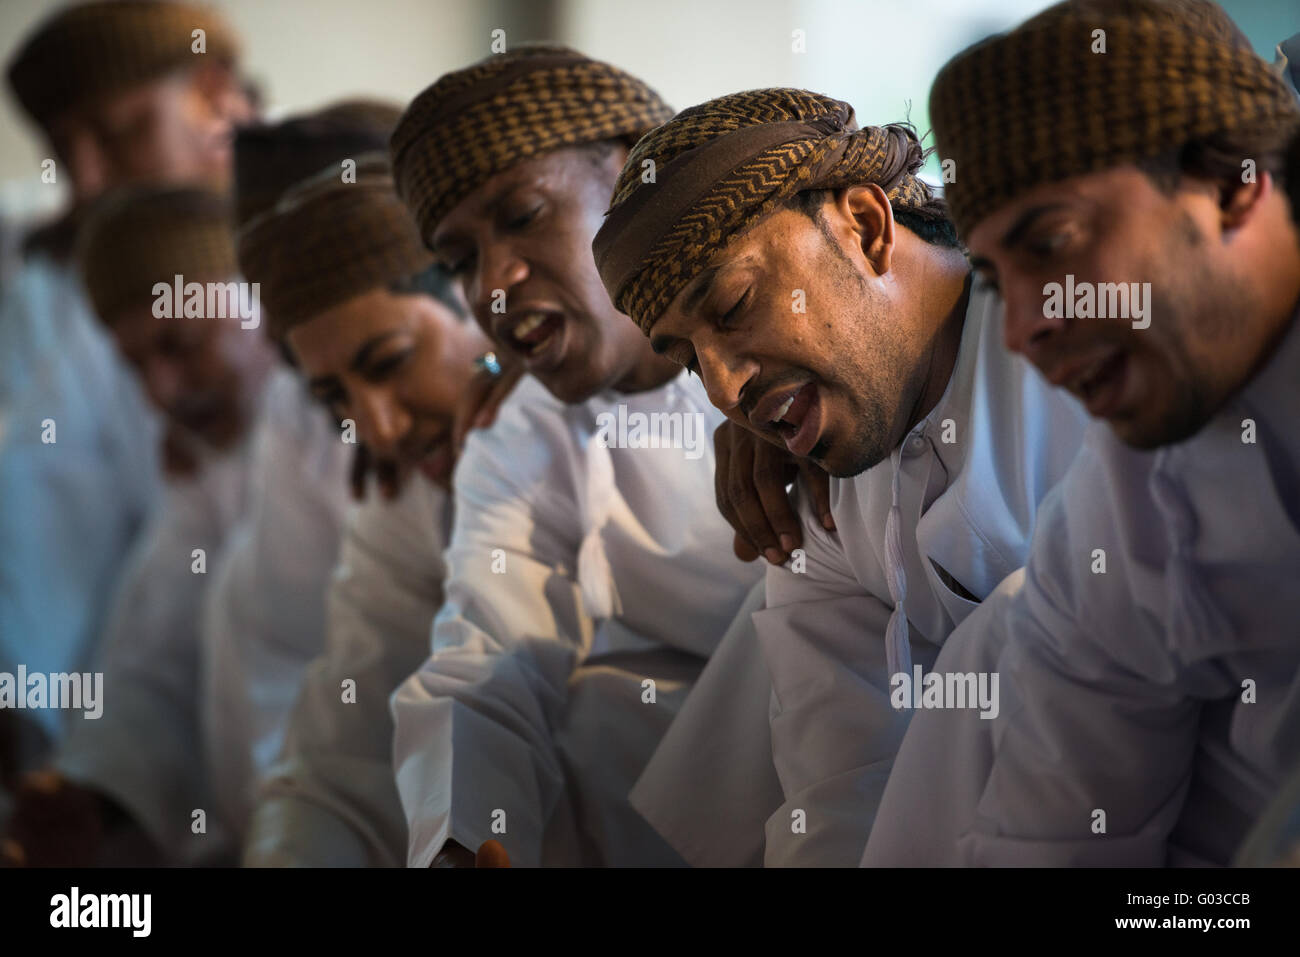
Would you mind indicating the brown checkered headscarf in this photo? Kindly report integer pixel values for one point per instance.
(721, 167)
(140, 235)
(328, 241)
(271, 157)
(89, 49)
(1036, 105)
(477, 122)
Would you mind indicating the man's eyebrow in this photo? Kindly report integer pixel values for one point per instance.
(363, 354)
(699, 286)
(488, 208)
(1026, 219)
(698, 289)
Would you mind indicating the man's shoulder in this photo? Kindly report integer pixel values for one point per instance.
(415, 522)
(823, 555)
(529, 417)
(1107, 483)
(532, 450)
(1099, 550)
(537, 436)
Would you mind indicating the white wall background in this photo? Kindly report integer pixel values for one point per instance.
(301, 53)
(878, 54)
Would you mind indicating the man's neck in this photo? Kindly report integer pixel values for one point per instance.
(1280, 285)
(951, 297)
(650, 372)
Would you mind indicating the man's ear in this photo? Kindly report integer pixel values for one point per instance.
(867, 207)
(1239, 206)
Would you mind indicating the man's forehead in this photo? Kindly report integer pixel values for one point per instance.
(1004, 223)
(138, 96)
(1116, 185)
(684, 306)
(481, 202)
(136, 327)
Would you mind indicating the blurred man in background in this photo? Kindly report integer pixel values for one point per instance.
(123, 92)
(386, 344)
(264, 615)
(126, 786)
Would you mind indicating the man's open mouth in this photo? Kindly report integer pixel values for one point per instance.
(794, 414)
(533, 332)
(1102, 386)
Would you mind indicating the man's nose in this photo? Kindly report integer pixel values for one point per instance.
(724, 373)
(500, 269)
(88, 166)
(381, 421)
(1028, 325)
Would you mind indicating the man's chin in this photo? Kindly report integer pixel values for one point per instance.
(1152, 431)
(1147, 437)
(439, 477)
(568, 385)
(220, 435)
(836, 463)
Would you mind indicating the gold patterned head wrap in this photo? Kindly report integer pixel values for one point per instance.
(328, 241)
(1088, 85)
(137, 236)
(477, 122)
(91, 49)
(720, 167)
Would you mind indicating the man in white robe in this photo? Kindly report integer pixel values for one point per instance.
(139, 768)
(116, 91)
(834, 316)
(1148, 654)
(383, 340)
(589, 575)
(329, 799)
(264, 615)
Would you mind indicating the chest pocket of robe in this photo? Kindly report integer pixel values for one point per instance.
(957, 601)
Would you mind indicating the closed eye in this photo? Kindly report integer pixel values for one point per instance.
(1048, 244)
(388, 364)
(729, 317)
(332, 397)
(523, 219)
(457, 267)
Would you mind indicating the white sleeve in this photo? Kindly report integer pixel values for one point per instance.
(944, 760)
(72, 508)
(474, 743)
(1093, 748)
(144, 751)
(330, 799)
(264, 617)
(710, 786)
(834, 731)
